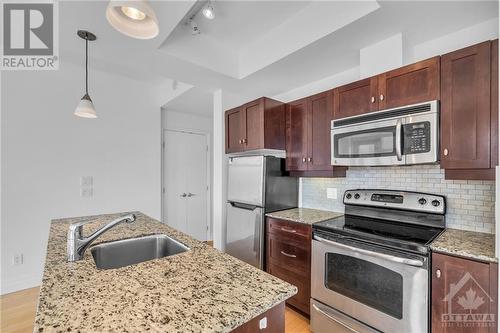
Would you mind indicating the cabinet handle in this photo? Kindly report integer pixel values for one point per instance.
(438, 273)
(303, 160)
(183, 195)
(241, 141)
(288, 230)
(381, 97)
(445, 152)
(373, 99)
(309, 159)
(244, 140)
(288, 254)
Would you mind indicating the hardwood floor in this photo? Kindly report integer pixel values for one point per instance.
(18, 313)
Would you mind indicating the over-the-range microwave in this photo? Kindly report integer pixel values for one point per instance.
(398, 136)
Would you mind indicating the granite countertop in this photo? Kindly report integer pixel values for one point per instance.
(201, 290)
(467, 244)
(304, 215)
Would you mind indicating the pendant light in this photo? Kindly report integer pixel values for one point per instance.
(134, 18)
(86, 108)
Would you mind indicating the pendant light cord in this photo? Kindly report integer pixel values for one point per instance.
(86, 66)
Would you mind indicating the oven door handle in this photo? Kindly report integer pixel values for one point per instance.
(399, 155)
(399, 260)
(315, 307)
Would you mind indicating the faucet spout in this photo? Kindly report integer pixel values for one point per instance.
(77, 244)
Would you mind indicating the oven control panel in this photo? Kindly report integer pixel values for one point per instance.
(414, 201)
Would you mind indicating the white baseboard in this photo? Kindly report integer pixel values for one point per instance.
(20, 283)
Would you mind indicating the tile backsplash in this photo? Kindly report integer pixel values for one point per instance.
(470, 203)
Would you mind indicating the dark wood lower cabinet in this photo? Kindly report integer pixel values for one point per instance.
(275, 319)
(464, 295)
(288, 257)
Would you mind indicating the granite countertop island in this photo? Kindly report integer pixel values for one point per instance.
(201, 290)
(304, 215)
(466, 244)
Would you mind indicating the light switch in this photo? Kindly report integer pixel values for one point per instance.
(86, 181)
(331, 193)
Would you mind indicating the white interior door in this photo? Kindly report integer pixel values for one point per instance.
(185, 205)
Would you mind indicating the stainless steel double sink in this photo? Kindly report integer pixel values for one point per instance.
(132, 251)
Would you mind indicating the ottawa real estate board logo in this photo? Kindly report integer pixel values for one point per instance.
(468, 305)
(29, 35)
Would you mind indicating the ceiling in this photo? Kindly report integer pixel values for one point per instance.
(194, 101)
(257, 48)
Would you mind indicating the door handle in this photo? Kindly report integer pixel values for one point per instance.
(399, 155)
(191, 195)
(399, 260)
(183, 195)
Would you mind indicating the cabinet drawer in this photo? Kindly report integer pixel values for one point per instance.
(302, 298)
(288, 255)
(292, 230)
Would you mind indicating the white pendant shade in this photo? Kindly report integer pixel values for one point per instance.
(134, 18)
(85, 108)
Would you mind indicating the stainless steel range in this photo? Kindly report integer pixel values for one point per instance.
(370, 267)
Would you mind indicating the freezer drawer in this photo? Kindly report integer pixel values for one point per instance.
(246, 180)
(245, 233)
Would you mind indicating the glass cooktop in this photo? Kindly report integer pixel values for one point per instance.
(400, 235)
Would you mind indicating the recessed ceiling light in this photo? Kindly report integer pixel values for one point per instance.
(208, 11)
(133, 13)
(134, 18)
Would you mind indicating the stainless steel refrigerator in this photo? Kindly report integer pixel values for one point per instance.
(256, 186)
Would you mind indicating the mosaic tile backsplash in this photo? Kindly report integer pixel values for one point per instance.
(470, 203)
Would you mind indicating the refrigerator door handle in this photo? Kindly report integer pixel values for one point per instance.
(243, 206)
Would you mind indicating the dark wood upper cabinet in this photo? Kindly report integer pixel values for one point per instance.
(308, 136)
(494, 104)
(320, 116)
(355, 98)
(466, 109)
(234, 131)
(415, 83)
(259, 124)
(452, 279)
(296, 135)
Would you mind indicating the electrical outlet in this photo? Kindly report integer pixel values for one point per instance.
(86, 181)
(86, 192)
(17, 259)
(331, 193)
(263, 323)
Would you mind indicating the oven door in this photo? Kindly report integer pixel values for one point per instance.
(368, 143)
(384, 289)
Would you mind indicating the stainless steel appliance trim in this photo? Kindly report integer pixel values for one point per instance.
(405, 261)
(325, 319)
(315, 307)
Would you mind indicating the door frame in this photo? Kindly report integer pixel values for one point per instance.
(209, 172)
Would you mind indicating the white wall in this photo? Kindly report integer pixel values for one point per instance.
(45, 149)
(381, 57)
(185, 121)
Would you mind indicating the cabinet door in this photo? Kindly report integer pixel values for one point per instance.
(296, 135)
(320, 115)
(465, 108)
(410, 84)
(234, 135)
(355, 98)
(253, 125)
(460, 288)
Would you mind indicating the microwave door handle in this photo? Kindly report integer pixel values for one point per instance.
(399, 155)
(399, 260)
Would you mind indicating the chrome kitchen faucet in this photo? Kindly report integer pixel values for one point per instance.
(77, 244)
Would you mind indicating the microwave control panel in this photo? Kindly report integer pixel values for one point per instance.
(417, 138)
